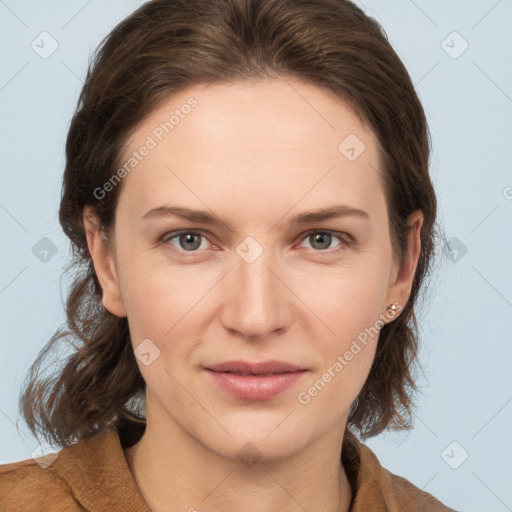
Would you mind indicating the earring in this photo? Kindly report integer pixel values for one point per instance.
(394, 307)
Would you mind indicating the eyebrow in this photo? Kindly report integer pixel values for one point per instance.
(205, 217)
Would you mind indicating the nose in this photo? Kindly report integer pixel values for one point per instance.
(256, 301)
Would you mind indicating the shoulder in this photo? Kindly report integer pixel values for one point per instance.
(68, 480)
(379, 489)
(411, 498)
(90, 475)
(25, 486)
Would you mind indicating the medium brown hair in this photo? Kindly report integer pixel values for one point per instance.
(166, 46)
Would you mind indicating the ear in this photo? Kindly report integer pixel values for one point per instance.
(403, 273)
(104, 264)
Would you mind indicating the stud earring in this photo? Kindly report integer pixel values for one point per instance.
(394, 307)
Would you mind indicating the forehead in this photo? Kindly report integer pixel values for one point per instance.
(271, 136)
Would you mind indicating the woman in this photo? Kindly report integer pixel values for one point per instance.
(248, 199)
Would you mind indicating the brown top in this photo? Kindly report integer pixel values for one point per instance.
(93, 475)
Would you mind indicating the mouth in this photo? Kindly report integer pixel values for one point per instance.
(255, 381)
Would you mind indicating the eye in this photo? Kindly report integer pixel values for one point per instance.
(321, 240)
(188, 241)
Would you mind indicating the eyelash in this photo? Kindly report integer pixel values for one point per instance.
(344, 238)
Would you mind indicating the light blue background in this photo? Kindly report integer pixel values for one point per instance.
(466, 323)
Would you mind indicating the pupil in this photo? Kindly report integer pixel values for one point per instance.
(326, 237)
(186, 239)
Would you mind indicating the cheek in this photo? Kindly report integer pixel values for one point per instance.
(349, 303)
(347, 299)
(160, 299)
(161, 305)
(346, 349)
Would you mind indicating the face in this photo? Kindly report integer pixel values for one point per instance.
(249, 280)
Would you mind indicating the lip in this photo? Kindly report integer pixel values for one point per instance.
(255, 381)
(254, 368)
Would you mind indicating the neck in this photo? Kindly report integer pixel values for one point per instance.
(165, 466)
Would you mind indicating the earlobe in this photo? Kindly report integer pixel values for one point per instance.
(400, 289)
(104, 264)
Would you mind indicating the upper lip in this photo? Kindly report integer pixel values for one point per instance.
(253, 368)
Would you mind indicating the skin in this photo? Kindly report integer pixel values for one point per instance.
(254, 153)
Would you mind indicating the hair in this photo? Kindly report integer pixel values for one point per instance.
(166, 46)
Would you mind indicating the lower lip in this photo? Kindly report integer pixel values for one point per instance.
(254, 387)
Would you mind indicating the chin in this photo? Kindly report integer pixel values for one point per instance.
(267, 442)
